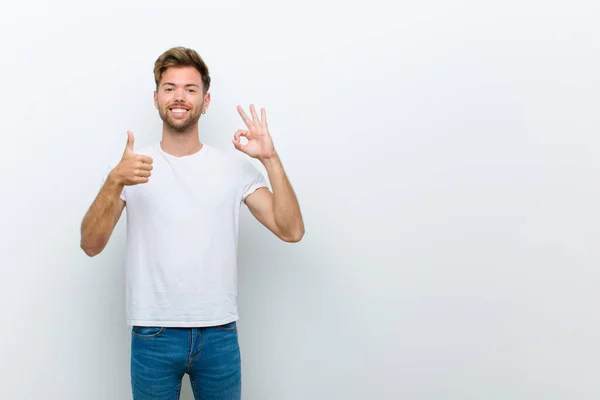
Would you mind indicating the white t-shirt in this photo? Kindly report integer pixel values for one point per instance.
(182, 238)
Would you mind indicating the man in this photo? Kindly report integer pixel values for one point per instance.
(183, 199)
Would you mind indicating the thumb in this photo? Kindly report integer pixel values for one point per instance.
(237, 144)
(129, 146)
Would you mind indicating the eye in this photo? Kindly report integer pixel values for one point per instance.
(168, 89)
(192, 90)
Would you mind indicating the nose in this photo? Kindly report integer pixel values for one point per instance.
(179, 95)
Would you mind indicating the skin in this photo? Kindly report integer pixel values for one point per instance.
(180, 88)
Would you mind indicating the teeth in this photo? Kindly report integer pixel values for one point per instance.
(178, 110)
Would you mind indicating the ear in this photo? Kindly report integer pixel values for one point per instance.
(155, 100)
(206, 102)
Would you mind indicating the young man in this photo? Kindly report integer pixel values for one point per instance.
(183, 199)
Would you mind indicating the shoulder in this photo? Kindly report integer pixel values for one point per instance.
(238, 166)
(231, 158)
(217, 153)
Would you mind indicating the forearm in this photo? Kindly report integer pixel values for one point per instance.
(101, 218)
(288, 216)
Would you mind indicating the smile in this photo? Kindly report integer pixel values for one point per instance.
(178, 111)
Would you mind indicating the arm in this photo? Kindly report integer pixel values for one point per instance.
(278, 211)
(102, 217)
(104, 213)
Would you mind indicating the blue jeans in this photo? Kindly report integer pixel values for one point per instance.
(161, 356)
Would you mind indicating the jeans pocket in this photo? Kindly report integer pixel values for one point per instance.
(230, 327)
(146, 332)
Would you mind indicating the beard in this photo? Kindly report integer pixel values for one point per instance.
(179, 125)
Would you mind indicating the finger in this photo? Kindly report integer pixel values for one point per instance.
(239, 133)
(244, 117)
(237, 144)
(263, 117)
(254, 115)
(247, 134)
(144, 159)
(144, 166)
(142, 179)
(129, 146)
(142, 173)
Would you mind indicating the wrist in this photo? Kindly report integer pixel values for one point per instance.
(272, 159)
(114, 179)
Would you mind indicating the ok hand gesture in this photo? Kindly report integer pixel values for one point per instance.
(260, 144)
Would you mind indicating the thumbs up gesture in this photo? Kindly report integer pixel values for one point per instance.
(133, 169)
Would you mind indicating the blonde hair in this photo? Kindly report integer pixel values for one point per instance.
(181, 57)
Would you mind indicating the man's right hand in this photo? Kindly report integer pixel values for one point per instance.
(133, 169)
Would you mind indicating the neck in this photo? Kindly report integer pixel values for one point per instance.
(179, 143)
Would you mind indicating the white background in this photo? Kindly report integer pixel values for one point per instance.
(446, 158)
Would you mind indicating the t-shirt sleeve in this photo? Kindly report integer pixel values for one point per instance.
(252, 179)
(105, 176)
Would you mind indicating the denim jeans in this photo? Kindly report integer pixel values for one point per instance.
(161, 356)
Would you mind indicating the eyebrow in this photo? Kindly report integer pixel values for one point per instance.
(172, 84)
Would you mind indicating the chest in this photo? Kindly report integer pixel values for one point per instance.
(184, 191)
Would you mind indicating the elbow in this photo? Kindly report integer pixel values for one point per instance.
(294, 237)
(89, 250)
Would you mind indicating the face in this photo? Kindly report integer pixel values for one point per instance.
(179, 98)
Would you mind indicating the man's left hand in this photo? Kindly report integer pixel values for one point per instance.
(260, 144)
